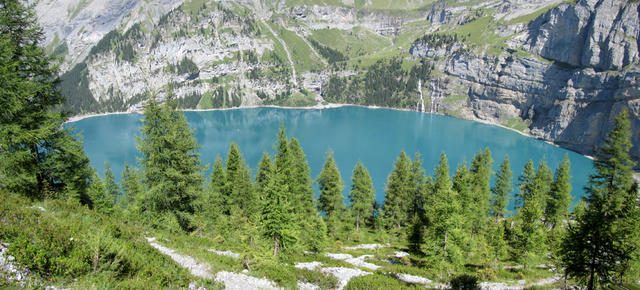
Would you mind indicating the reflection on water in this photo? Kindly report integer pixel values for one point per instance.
(374, 136)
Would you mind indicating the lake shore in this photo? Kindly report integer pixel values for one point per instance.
(322, 107)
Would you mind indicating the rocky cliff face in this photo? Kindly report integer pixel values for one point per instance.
(560, 72)
(582, 71)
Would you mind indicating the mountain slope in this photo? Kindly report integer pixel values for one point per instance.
(558, 71)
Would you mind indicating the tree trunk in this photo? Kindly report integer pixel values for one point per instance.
(444, 254)
(358, 222)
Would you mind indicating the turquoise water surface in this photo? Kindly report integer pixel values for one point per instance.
(374, 136)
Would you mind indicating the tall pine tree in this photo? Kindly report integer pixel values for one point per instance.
(38, 158)
(502, 190)
(170, 162)
(600, 247)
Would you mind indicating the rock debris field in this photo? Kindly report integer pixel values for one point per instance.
(233, 280)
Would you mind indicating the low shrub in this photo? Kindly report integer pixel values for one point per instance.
(378, 281)
(465, 282)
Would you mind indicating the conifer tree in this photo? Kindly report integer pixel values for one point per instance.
(38, 158)
(277, 215)
(238, 189)
(560, 195)
(462, 184)
(302, 182)
(131, 185)
(543, 181)
(101, 200)
(362, 194)
(525, 184)
(443, 214)
(170, 162)
(111, 187)
(601, 246)
(481, 189)
(331, 200)
(397, 194)
(502, 190)
(264, 173)
(216, 202)
(529, 242)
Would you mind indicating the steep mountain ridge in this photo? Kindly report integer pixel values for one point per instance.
(558, 71)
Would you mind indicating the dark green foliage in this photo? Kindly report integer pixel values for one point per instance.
(330, 54)
(377, 281)
(215, 201)
(385, 83)
(464, 282)
(362, 195)
(264, 173)
(480, 188)
(184, 66)
(120, 44)
(75, 85)
(37, 157)
(170, 163)
(238, 189)
(601, 246)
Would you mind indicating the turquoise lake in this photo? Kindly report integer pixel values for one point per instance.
(374, 136)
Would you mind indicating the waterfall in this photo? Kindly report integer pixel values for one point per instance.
(433, 99)
(421, 96)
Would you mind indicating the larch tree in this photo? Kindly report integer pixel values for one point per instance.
(600, 248)
(170, 162)
(131, 185)
(560, 195)
(238, 189)
(481, 189)
(362, 194)
(397, 194)
(277, 215)
(111, 186)
(38, 158)
(444, 216)
(331, 200)
(529, 243)
(216, 203)
(501, 191)
(263, 174)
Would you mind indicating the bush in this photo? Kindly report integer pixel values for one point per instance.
(377, 281)
(466, 282)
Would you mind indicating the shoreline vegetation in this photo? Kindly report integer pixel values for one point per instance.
(323, 107)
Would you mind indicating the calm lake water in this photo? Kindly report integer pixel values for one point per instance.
(373, 136)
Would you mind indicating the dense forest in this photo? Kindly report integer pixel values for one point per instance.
(456, 227)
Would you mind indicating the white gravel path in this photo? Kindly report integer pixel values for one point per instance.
(344, 274)
(235, 281)
(225, 253)
(366, 247)
(413, 279)
(196, 268)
